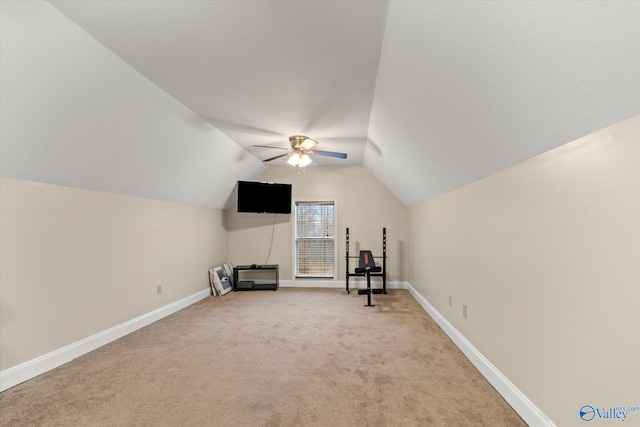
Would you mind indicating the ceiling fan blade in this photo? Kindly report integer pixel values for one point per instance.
(270, 146)
(331, 154)
(308, 143)
(275, 157)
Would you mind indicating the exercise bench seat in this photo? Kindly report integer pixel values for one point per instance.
(367, 266)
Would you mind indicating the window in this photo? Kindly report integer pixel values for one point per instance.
(315, 239)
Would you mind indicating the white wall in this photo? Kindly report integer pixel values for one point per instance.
(467, 88)
(75, 114)
(546, 255)
(78, 262)
(363, 205)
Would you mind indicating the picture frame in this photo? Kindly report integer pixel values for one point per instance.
(212, 282)
(221, 280)
(229, 269)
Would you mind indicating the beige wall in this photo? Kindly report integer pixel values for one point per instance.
(363, 205)
(547, 256)
(77, 262)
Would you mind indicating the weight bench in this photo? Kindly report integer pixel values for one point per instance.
(367, 266)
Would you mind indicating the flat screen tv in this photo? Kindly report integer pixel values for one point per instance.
(264, 197)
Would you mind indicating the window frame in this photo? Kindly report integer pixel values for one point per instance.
(294, 242)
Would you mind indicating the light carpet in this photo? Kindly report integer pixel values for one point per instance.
(294, 357)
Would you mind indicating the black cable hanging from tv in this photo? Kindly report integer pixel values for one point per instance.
(273, 229)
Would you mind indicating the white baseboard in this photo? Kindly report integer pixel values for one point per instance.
(25, 371)
(529, 412)
(328, 283)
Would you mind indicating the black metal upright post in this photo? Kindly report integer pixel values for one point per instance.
(384, 260)
(347, 258)
(369, 290)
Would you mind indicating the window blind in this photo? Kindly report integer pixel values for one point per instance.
(315, 240)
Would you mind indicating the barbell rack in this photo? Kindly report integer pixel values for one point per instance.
(382, 274)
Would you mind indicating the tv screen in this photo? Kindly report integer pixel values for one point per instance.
(264, 197)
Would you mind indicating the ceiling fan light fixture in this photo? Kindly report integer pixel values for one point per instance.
(294, 159)
(301, 147)
(299, 160)
(305, 160)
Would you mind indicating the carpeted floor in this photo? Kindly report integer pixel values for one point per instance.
(295, 357)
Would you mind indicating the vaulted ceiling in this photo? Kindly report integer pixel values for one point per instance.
(166, 99)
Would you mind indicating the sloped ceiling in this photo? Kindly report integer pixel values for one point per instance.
(74, 114)
(165, 99)
(260, 71)
(465, 89)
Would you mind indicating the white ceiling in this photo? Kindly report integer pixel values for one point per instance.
(162, 98)
(467, 88)
(260, 71)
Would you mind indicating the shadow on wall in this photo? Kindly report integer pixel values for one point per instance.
(235, 221)
(374, 147)
(232, 199)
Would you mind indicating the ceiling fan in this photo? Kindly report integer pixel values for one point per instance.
(301, 147)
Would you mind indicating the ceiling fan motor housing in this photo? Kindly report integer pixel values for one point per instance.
(297, 140)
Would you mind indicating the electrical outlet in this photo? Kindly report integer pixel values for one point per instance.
(450, 300)
(159, 289)
(464, 310)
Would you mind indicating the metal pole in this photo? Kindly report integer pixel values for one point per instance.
(347, 258)
(384, 260)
